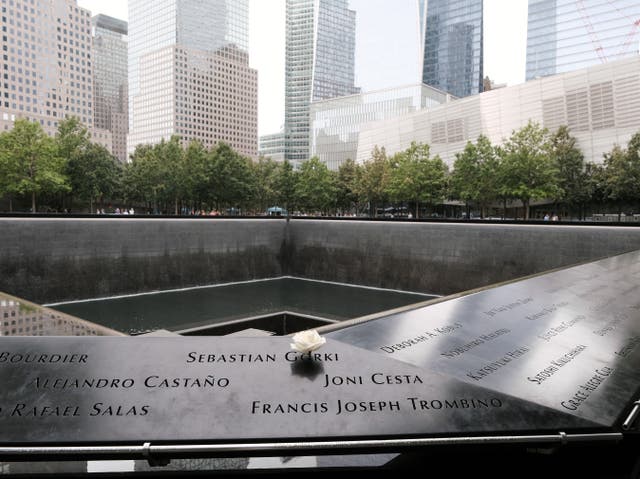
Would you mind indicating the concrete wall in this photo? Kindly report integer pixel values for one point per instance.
(58, 259)
(443, 258)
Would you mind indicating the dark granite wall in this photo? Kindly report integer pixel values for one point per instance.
(443, 258)
(57, 259)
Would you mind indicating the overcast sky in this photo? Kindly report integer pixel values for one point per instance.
(384, 44)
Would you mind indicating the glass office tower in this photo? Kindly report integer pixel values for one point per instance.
(453, 43)
(319, 64)
(111, 100)
(567, 35)
(189, 73)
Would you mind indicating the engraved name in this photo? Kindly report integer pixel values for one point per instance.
(8, 357)
(494, 366)
(195, 357)
(585, 390)
(556, 364)
(426, 336)
(452, 353)
(629, 347)
(375, 378)
(565, 325)
(507, 307)
(546, 311)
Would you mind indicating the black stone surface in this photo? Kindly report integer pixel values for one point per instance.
(179, 389)
(567, 340)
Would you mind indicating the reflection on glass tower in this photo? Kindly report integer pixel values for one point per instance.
(320, 64)
(453, 42)
(567, 35)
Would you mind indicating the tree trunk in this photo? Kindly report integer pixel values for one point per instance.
(10, 204)
(417, 208)
(525, 205)
(175, 210)
(33, 202)
(91, 205)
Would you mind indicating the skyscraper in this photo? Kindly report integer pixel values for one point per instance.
(111, 100)
(189, 73)
(47, 63)
(567, 35)
(453, 45)
(320, 59)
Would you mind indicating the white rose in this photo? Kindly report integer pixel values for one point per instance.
(307, 341)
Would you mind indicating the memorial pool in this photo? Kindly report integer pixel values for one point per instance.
(191, 308)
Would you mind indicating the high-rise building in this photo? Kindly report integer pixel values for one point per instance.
(567, 35)
(272, 146)
(111, 96)
(189, 73)
(453, 45)
(319, 64)
(48, 69)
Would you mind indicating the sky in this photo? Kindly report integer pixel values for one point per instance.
(381, 35)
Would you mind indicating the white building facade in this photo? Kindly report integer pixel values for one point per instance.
(600, 105)
(336, 123)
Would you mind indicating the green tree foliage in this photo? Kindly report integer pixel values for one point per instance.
(30, 161)
(265, 171)
(572, 175)
(528, 171)
(475, 178)
(142, 179)
(169, 159)
(231, 177)
(316, 188)
(286, 181)
(417, 177)
(72, 138)
(194, 175)
(373, 179)
(347, 185)
(622, 173)
(94, 174)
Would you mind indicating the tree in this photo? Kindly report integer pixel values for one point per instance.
(266, 188)
(417, 177)
(231, 176)
(316, 186)
(94, 174)
(286, 185)
(169, 159)
(373, 179)
(141, 176)
(571, 168)
(475, 176)
(622, 173)
(30, 161)
(72, 138)
(347, 186)
(529, 172)
(195, 174)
